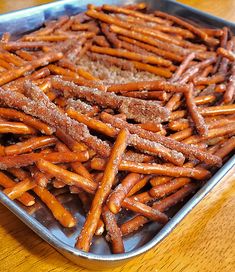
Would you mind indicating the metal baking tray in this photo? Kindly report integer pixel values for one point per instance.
(40, 220)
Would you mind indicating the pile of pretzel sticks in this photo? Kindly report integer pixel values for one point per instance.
(141, 146)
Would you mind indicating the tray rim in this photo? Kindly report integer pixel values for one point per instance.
(42, 231)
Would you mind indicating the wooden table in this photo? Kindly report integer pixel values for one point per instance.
(204, 241)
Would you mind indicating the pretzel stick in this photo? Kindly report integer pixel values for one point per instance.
(139, 185)
(154, 168)
(15, 128)
(84, 240)
(212, 133)
(182, 134)
(160, 191)
(186, 150)
(130, 55)
(226, 148)
(142, 197)
(66, 176)
(153, 95)
(20, 188)
(120, 192)
(12, 46)
(30, 145)
(113, 231)
(218, 78)
(199, 121)
(59, 212)
(26, 199)
(152, 214)
(74, 75)
(154, 85)
(138, 221)
(155, 148)
(28, 159)
(226, 53)
(217, 110)
(17, 72)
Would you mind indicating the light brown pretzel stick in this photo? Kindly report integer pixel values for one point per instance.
(186, 150)
(144, 198)
(28, 159)
(197, 118)
(139, 185)
(154, 168)
(59, 212)
(30, 145)
(162, 190)
(131, 55)
(212, 133)
(142, 144)
(16, 128)
(19, 188)
(12, 46)
(226, 53)
(154, 85)
(66, 176)
(114, 234)
(26, 199)
(137, 14)
(226, 148)
(84, 240)
(217, 110)
(17, 72)
(153, 95)
(182, 134)
(147, 211)
(120, 192)
(138, 221)
(161, 52)
(129, 106)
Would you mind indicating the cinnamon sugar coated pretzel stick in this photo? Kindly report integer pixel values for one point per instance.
(124, 111)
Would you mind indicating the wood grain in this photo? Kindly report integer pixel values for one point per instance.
(203, 241)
